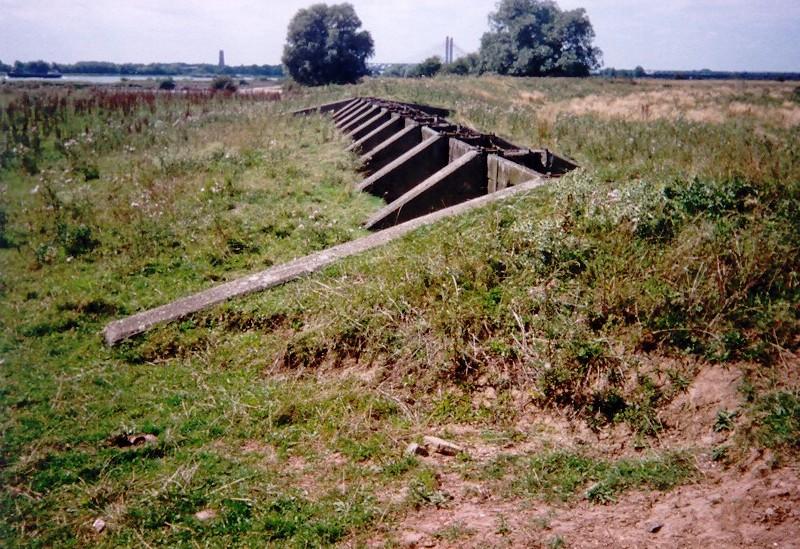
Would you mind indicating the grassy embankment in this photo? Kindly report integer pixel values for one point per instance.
(600, 296)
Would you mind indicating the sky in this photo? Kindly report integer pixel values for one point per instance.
(755, 35)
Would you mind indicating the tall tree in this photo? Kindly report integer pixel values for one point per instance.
(537, 38)
(326, 46)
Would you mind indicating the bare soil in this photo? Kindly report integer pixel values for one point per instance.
(758, 507)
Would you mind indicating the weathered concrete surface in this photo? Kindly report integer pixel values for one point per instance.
(355, 113)
(359, 119)
(122, 329)
(378, 135)
(346, 111)
(405, 172)
(428, 132)
(400, 143)
(458, 149)
(502, 173)
(461, 180)
(374, 122)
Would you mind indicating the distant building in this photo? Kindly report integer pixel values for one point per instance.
(222, 59)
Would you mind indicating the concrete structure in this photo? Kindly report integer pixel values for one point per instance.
(221, 59)
(426, 169)
(419, 162)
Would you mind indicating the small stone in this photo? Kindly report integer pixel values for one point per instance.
(770, 513)
(715, 499)
(490, 393)
(205, 515)
(442, 446)
(99, 525)
(654, 526)
(415, 449)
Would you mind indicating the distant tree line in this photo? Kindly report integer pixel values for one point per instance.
(141, 69)
(703, 74)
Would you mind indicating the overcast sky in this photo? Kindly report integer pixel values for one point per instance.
(657, 34)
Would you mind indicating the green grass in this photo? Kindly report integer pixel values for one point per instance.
(677, 239)
(778, 415)
(566, 475)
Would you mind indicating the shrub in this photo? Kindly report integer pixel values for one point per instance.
(224, 84)
(168, 84)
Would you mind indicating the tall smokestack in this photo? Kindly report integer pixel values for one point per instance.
(221, 59)
(446, 49)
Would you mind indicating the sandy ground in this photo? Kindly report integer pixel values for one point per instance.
(757, 507)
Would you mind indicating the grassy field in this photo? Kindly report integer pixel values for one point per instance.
(550, 336)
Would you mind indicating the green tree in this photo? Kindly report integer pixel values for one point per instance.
(32, 67)
(167, 84)
(639, 72)
(469, 64)
(537, 38)
(224, 84)
(430, 67)
(326, 46)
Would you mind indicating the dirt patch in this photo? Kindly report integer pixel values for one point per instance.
(692, 415)
(261, 449)
(757, 508)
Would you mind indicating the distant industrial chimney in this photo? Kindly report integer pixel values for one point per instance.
(448, 50)
(222, 59)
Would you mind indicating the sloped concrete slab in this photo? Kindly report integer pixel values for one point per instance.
(404, 173)
(369, 125)
(356, 112)
(346, 111)
(120, 330)
(459, 181)
(359, 119)
(378, 135)
(395, 146)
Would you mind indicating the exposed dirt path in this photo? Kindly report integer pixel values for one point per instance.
(759, 507)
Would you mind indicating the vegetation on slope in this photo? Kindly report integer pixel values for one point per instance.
(600, 295)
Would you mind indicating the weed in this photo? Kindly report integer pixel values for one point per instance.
(725, 420)
(778, 419)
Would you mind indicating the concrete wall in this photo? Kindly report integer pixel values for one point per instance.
(392, 148)
(459, 181)
(377, 136)
(502, 173)
(458, 149)
(370, 125)
(408, 170)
